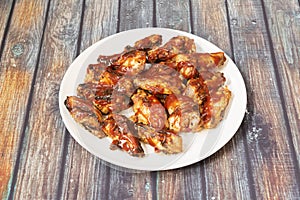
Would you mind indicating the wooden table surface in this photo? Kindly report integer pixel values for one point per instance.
(39, 159)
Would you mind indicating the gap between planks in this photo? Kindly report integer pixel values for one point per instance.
(11, 190)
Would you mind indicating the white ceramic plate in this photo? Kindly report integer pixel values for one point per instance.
(197, 146)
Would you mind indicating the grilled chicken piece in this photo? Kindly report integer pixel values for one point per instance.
(184, 113)
(160, 79)
(146, 43)
(106, 97)
(99, 94)
(163, 141)
(124, 135)
(176, 45)
(84, 113)
(109, 77)
(185, 68)
(219, 97)
(121, 94)
(199, 92)
(212, 96)
(93, 72)
(130, 63)
(90, 90)
(202, 61)
(148, 110)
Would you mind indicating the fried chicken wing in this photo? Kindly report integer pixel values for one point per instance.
(121, 130)
(148, 110)
(184, 115)
(176, 45)
(160, 79)
(84, 113)
(163, 141)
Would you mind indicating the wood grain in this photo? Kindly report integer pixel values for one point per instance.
(88, 177)
(267, 142)
(225, 172)
(18, 61)
(5, 10)
(175, 15)
(40, 160)
(41, 156)
(135, 14)
(85, 176)
(284, 26)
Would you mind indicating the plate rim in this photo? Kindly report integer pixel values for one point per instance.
(175, 165)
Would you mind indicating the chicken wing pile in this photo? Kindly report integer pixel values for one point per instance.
(170, 89)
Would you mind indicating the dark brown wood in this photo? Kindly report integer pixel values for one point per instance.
(266, 128)
(226, 174)
(284, 27)
(42, 150)
(86, 177)
(18, 62)
(5, 10)
(89, 177)
(39, 159)
(135, 14)
(175, 15)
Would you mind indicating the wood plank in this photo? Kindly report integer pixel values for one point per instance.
(41, 157)
(5, 10)
(171, 184)
(173, 14)
(86, 176)
(226, 172)
(271, 162)
(18, 62)
(284, 25)
(84, 170)
(135, 14)
(126, 184)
